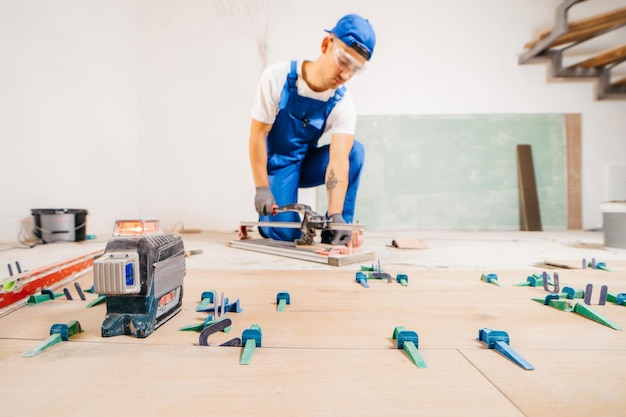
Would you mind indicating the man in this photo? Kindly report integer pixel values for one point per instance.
(296, 103)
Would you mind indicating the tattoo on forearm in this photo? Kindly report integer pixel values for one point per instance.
(332, 180)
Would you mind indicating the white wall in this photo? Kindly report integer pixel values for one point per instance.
(196, 86)
(140, 108)
(68, 110)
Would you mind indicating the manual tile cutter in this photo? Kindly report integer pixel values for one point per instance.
(311, 222)
(141, 276)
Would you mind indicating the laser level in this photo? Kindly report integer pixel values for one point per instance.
(141, 276)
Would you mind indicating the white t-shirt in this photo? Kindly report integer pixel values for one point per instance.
(342, 119)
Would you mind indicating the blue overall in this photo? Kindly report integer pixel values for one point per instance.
(295, 161)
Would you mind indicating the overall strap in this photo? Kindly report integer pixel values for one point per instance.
(293, 75)
(339, 93)
(290, 85)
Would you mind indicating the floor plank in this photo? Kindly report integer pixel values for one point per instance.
(330, 351)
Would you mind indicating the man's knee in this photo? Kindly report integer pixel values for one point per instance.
(282, 234)
(285, 234)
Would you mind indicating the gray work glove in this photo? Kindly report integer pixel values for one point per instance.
(264, 201)
(340, 237)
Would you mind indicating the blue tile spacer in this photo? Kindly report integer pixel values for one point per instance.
(490, 279)
(206, 299)
(569, 292)
(61, 329)
(282, 299)
(533, 280)
(253, 333)
(233, 307)
(361, 278)
(402, 279)
(601, 265)
(550, 297)
(66, 330)
(209, 295)
(251, 339)
(490, 336)
(499, 340)
(48, 292)
(408, 340)
(283, 295)
(404, 336)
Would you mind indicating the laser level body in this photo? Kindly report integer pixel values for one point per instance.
(141, 278)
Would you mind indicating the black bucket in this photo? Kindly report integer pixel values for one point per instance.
(52, 225)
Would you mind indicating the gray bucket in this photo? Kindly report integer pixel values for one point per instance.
(614, 224)
(53, 225)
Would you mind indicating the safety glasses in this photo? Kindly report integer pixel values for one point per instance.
(344, 60)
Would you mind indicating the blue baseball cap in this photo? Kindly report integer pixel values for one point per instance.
(357, 33)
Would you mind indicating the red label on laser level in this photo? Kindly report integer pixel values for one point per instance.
(168, 301)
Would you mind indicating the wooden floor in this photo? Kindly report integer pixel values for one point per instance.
(330, 352)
